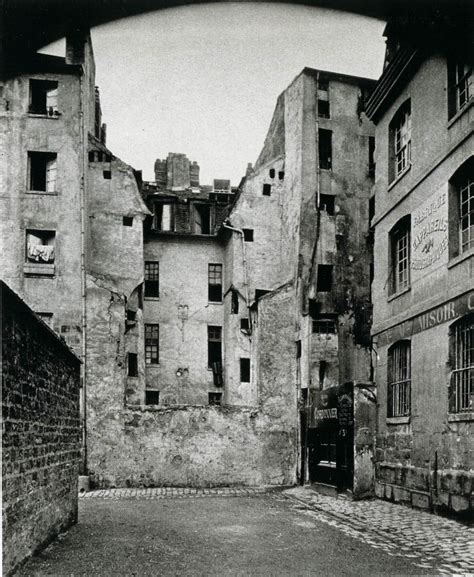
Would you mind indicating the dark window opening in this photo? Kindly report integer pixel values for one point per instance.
(327, 203)
(214, 398)
(152, 279)
(248, 234)
(244, 324)
(91, 155)
(215, 283)
(42, 168)
(132, 363)
(304, 395)
(323, 108)
(131, 315)
(127, 221)
(323, 84)
(325, 149)
(152, 344)
(281, 175)
(298, 349)
(203, 219)
(324, 282)
(163, 217)
(272, 173)
(371, 272)
(234, 305)
(371, 208)
(40, 246)
(152, 397)
(324, 326)
(46, 318)
(107, 174)
(259, 293)
(371, 156)
(214, 346)
(43, 97)
(245, 370)
(322, 372)
(267, 189)
(314, 308)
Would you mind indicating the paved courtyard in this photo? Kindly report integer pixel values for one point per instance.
(236, 531)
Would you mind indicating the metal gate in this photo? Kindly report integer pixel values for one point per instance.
(331, 437)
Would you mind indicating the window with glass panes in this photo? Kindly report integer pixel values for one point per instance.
(400, 245)
(466, 214)
(215, 283)
(152, 279)
(402, 135)
(463, 84)
(399, 380)
(152, 344)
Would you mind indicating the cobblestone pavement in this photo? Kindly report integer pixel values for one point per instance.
(435, 543)
(174, 492)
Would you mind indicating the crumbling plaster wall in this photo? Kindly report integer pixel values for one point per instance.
(21, 132)
(183, 312)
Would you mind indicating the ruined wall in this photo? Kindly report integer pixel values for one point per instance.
(113, 286)
(40, 432)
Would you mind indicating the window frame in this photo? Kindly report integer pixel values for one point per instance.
(50, 111)
(325, 149)
(245, 370)
(214, 335)
(155, 266)
(152, 344)
(400, 141)
(399, 379)
(214, 273)
(400, 256)
(49, 168)
(461, 353)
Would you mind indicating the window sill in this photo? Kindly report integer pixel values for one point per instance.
(399, 177)
(42, 115)
(152, 298)
(461, 257)
(398, 420)
(215, 303)
(39, 269)
(152, 366)
(460, 113)
(459, 417)
(399, 293)
(41, 192)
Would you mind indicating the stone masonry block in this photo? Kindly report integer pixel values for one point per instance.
(401, 495)
(379, 490)
(459, 503)
(420, 500)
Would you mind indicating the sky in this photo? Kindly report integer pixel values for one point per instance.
(204, 79)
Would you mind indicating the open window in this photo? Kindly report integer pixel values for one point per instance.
(42, 169)
(327, 203)
(323, 97)
(325, 149)
(214, 353)
(40, 246)
(43, 97)
(152, 397)
(164, 217)
(132, 364)
(203, 218)
(214, 398)
(245, 370)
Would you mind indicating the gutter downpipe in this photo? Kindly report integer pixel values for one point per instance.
(83, 145)
(244, 262)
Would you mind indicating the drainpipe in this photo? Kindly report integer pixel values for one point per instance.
(83, 184)
(244, 262)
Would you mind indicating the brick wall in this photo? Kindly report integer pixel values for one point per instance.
(41, 432)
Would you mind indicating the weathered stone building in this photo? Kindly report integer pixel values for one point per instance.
(41, 433)
(422, 291)
(214, 336)
(302, 221)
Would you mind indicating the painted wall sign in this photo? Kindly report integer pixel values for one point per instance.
(429, 234)
(444, 313)
(331, 407)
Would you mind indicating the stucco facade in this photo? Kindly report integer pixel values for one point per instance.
(423, 299)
